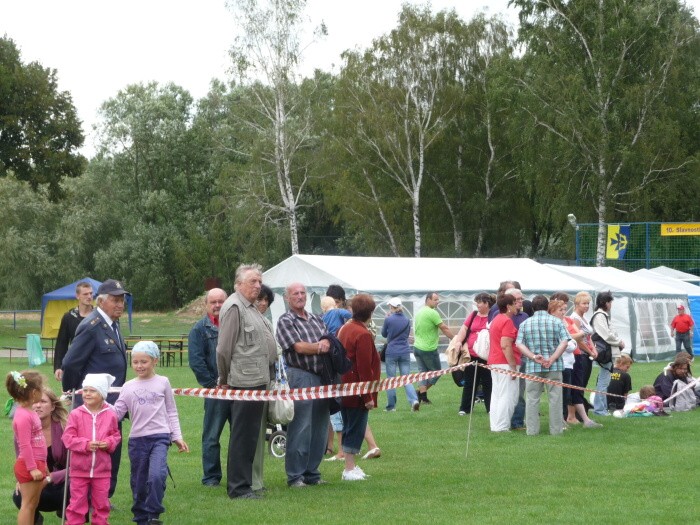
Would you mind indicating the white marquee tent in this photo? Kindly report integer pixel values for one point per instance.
(456, 280)
(642, 309)
(691, 290)
(676, 274)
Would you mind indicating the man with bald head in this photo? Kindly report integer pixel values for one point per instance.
(201, 352)
(299, 335)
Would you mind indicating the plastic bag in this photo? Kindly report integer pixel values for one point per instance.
(35, 352)
(281, 411)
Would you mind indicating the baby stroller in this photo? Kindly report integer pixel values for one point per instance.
(276, 434)
(277, 440)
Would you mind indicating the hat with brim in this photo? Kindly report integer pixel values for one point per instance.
(395, 302)
(112, 287)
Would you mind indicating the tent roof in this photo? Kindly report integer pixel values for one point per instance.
(68, 291)
(408, 274)
(683, 286)
(676, 274)
(608, 278)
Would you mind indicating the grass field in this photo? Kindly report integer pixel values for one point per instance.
(631, 471)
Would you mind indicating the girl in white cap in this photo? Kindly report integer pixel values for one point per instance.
(91, 435)
(149, 400)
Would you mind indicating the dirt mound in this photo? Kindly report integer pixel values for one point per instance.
(194, 309)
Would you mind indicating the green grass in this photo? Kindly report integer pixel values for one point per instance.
(632, 471)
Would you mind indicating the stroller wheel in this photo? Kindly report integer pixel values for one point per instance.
(278, 443)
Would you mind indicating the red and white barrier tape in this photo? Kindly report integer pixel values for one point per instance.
(350, 389)
(544, 380)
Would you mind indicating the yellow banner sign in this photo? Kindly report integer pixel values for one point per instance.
(677, 228)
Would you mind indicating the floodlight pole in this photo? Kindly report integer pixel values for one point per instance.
(578, 247)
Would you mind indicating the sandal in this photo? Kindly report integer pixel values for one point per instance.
(328, 451)
(373, 454)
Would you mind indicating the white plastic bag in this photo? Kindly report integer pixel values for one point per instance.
(281, 411)
(482, 345)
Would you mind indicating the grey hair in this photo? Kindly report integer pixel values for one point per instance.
(513, 291)
(101, 297)
(244, 268)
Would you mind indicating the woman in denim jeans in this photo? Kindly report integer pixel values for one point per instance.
(398, 353)
(363, 355)
(602, 325)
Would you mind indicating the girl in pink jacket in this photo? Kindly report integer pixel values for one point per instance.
(91, 435)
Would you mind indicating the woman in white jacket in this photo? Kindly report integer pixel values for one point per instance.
(602, 326)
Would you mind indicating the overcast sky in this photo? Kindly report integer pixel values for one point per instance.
(100, 46)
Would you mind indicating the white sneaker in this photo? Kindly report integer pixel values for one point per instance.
(355, 474)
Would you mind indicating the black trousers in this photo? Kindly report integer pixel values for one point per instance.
(246, 418)
(483, 377)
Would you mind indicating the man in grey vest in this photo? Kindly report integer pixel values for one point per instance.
(245, 353)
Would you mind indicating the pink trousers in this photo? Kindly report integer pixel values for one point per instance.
(98, 488)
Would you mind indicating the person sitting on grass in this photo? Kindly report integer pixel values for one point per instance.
(678, 369)
(620, 382)
(642, 403)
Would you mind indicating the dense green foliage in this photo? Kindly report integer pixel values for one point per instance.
(39, 130)
(444, 137)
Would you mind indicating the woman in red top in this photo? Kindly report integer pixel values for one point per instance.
(359, 344)
(473, 324)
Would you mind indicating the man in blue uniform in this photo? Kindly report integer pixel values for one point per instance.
(98, 347)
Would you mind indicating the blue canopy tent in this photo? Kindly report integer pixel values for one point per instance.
(55, 304)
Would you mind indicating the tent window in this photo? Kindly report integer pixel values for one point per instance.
(653, 318)
(454, 313)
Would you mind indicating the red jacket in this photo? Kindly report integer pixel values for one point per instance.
(84, 426)
(359, 345)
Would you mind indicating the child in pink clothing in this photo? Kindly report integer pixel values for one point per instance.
(30, 468)
(91, 435)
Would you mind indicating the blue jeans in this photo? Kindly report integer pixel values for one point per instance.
(600, 402)
(427, 362)
(684, 340)
(354, 426)
(403, 362)
(307, 433)
(217, 413)
(149, 472)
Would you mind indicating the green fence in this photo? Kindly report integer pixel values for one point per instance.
(644, 245)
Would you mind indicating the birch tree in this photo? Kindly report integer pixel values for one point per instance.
(396, 99)
(485, 147)
(266, 57)
(599, 71)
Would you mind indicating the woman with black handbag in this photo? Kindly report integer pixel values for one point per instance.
(476, 375)
(604, 338)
